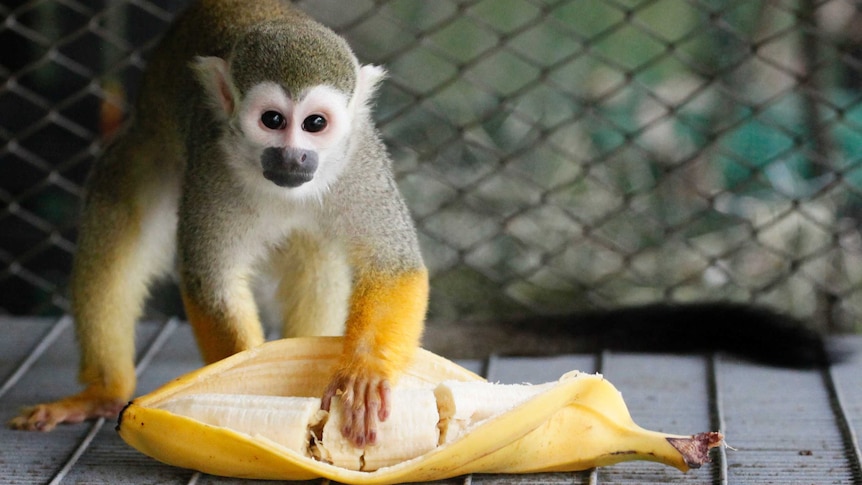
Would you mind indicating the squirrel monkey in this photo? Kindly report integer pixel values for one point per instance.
(253, 162)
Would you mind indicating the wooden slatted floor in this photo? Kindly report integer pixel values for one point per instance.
(785, 426)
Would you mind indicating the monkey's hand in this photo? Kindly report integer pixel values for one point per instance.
(91, 403)
(366, 401)
(381, 336)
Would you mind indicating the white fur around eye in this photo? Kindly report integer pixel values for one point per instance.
(332, 105)
(261, 98)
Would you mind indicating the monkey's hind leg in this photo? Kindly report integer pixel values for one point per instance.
(216, 290)
(126, 239)
(223, 323)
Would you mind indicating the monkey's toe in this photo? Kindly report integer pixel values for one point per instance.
(38, 418)
(74, 409)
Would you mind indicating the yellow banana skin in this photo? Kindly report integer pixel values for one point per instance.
(577, 424)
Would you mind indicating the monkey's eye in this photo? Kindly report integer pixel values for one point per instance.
(273, 120)
(314, 123)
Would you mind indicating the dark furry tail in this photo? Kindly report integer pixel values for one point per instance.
(752, 332)
(755, 333)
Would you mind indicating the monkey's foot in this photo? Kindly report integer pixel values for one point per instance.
(366, 401)
(73, 409)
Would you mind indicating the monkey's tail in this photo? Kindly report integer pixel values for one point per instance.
(752, 332)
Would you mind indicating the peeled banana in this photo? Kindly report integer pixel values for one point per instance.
(256, 415)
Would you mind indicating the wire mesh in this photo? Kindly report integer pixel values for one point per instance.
(556, 154)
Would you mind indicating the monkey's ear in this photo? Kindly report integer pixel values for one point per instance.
(214, 76)
(368, 79)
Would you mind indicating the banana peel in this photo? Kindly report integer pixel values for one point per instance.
(580, 423)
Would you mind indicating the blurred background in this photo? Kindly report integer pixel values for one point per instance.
(556, 154)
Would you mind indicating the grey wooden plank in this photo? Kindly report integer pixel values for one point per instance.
(781, 426)
(36, 457)
(213, 480)
(847, 380)
(179, 355)
(473, 365)
(29, 457)
(20, 336)
(204, 479)
(536, 370)
(667, 393)
(533, 479)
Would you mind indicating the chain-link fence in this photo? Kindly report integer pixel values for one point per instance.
(556, 154)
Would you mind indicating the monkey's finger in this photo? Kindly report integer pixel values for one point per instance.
(364, 430)
(326, 400)
(373, 405)
(370, 428)
(384, 392)
(336, 387)
(349, 431)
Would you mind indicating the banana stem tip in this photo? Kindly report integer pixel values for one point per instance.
(695, 448)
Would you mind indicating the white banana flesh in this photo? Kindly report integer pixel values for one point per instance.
(256, 415)
(287, 421)
(464, 404)
(421, 419)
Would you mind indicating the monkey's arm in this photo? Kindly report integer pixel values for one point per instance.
(387, 306)
(383, 330)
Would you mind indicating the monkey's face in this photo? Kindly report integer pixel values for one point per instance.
(301, 142)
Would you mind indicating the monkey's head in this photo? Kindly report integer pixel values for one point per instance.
(291, 94)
